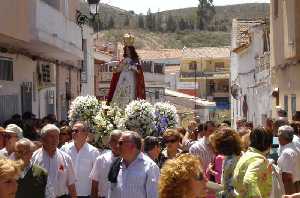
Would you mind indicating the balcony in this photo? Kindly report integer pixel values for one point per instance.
(54, 35)
(262, 62)
(207, 75)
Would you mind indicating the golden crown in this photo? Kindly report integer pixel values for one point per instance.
(128, 39)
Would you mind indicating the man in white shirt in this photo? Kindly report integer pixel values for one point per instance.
(12, 134)
(137, 175)
(289, 160)
(100, 183)
(202, 148)
(83, 156)
(61, 175)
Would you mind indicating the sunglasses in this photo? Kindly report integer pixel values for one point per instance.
(171, 140)
(123, 142)
(65, 133)
(75, 130)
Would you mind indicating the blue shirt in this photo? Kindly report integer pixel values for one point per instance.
(138, 180)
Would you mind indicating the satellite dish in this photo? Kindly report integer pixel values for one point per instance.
(235, 91)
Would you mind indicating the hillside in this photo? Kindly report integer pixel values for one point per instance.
(114, 22)
(155, 40)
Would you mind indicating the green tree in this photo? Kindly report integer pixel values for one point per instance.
(111, 23)
(205, 13)
(141, 23)
(171, 24)
(126, 21)
(182, 24)
(150, 20)
(158, 22)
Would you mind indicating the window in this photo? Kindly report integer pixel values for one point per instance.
(6, 69)
(293, 104)
(219, 66)
(156, 94)
(286, 103)
(46, 73)
(193, 65)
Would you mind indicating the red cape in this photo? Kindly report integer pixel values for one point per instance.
(140, 84)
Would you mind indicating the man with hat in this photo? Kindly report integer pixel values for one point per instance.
(12, 134)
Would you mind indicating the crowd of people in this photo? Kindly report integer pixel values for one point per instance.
(203, 160)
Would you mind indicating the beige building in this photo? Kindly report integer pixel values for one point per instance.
(204, 73)
(285, 54)
(40, 57)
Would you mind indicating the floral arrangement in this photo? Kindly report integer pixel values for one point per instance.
(139, 116)
(165, 117)
(84, 108)
(108, 118)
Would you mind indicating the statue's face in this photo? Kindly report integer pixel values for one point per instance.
(128, 52)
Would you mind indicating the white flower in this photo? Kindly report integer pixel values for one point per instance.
(139, 115)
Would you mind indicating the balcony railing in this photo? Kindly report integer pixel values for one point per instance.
(200, 74)
(263, 62)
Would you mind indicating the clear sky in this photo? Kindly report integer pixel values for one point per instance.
(141, 6)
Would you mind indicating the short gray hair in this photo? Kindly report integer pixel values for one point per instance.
(49, 127)
(287, 132)
(26, 142)
(116, 133)
(85, 125)
(135, 138)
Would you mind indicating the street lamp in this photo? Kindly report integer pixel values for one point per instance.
(93, 9)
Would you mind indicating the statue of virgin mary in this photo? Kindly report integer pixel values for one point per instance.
(127, 82)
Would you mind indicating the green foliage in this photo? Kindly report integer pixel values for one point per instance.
(150, 20)
(141, 23)
(156, 40)
(171, 24)
(205, 14)
(111, 23)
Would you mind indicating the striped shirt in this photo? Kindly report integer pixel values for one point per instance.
(203, 150)
(138, 180)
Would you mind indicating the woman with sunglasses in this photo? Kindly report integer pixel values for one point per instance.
(171, 138)
(182, 177)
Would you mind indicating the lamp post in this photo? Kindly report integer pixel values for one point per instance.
(82, 20)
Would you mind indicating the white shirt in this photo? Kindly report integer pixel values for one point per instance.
(60, 170)
(289, 161)
(83, 162)
(4, 153)
(203, 150)
(138, 180)
(100, 172)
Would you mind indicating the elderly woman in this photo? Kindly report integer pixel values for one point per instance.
(226, 142)
(33, 179)
(182, 177)
(171, 137)
(253, 174)
(9, 172)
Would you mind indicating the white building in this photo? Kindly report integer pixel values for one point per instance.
(250, 71)
(40, 57)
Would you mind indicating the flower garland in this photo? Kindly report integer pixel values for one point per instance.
(139, 116)
(108, 119)
(165, 117)
(84, 108)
